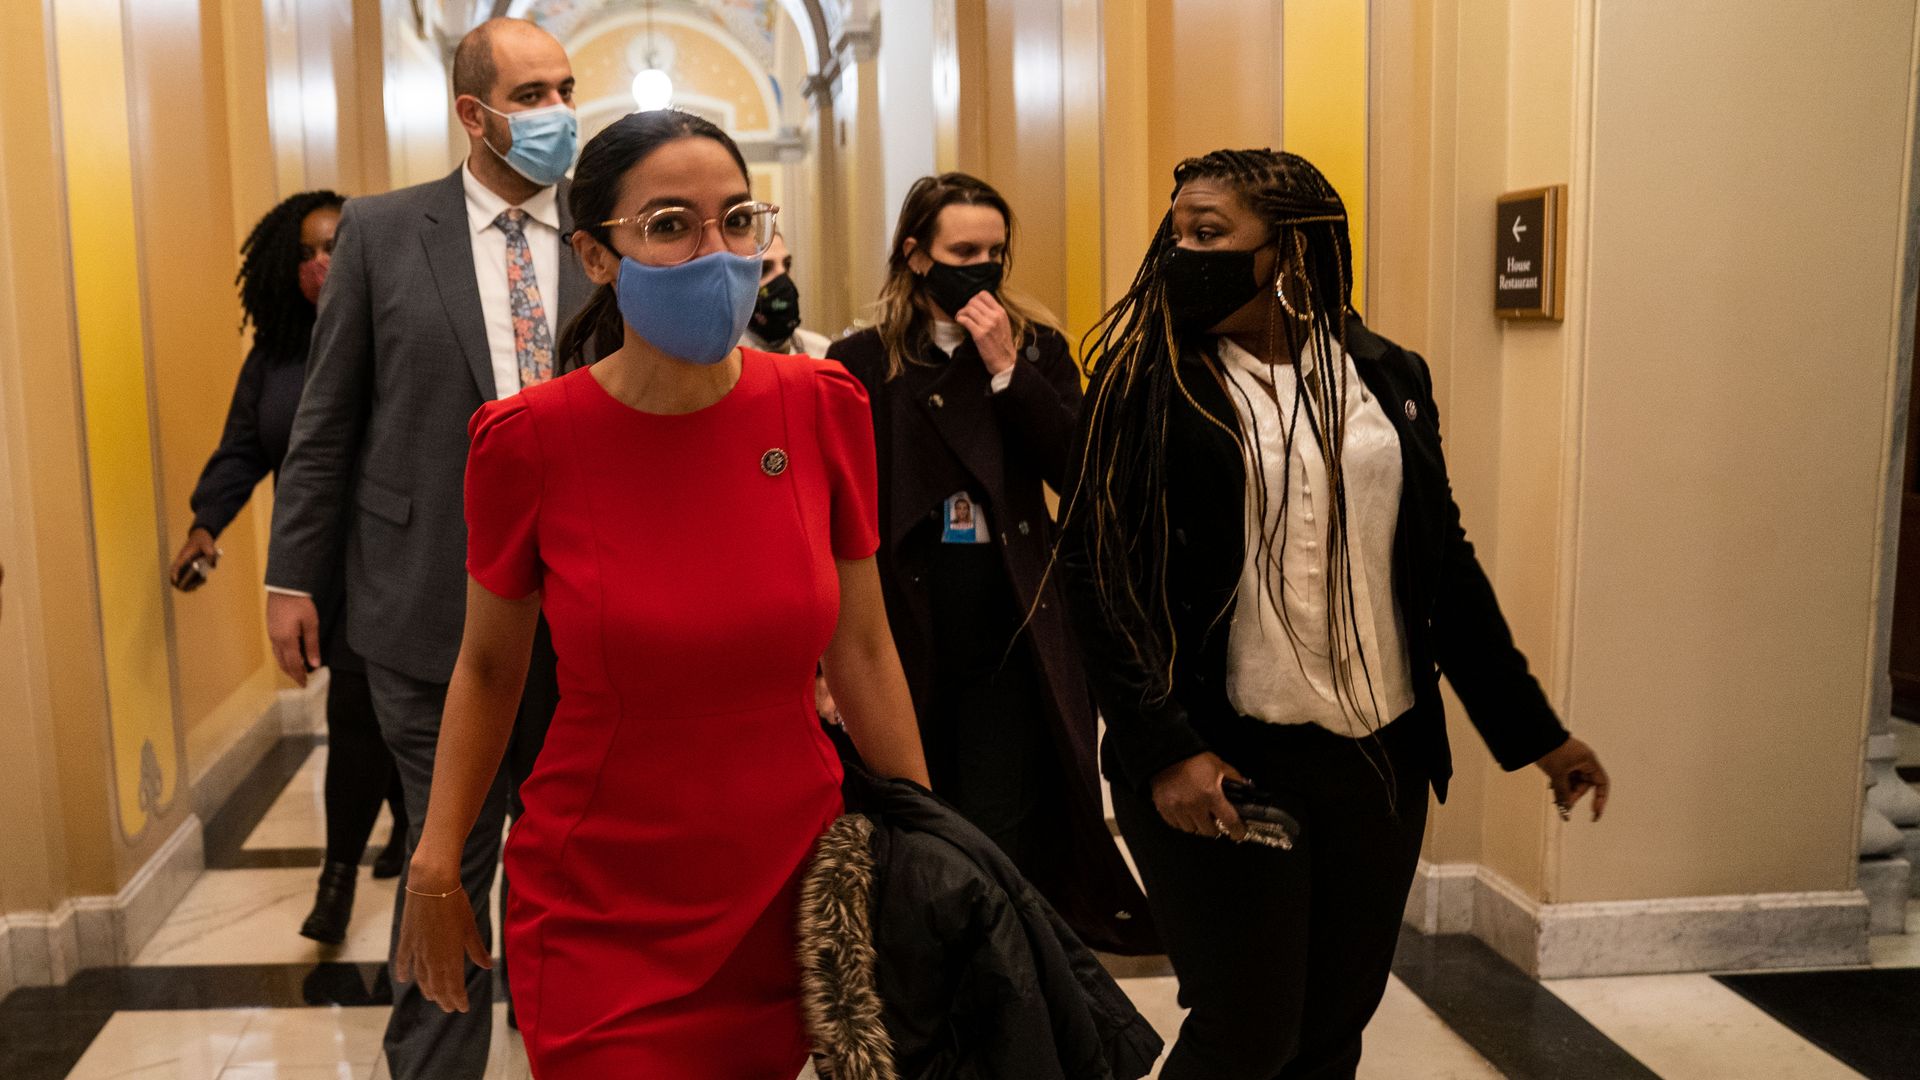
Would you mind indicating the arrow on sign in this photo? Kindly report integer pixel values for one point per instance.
(1517, 229)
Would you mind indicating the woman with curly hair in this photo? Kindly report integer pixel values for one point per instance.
(283, 265)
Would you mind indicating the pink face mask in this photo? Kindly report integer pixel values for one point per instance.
(313, 274)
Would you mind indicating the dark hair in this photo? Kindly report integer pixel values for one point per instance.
(474, 71)
(269, 278)
(597, 182)
(897, 312)
(1118, 508)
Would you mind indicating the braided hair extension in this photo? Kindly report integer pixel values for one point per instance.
(1120, 498)
(269, 277)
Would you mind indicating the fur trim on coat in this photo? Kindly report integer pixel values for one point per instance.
(837, 957)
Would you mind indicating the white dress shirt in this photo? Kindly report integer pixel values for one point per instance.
(1285, 679)
(490, 271)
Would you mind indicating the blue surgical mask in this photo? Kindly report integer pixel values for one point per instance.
(695, 311)
(544, 142)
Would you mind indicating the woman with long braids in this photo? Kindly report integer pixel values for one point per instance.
(283, 265)
(696, 520)
(1266, 564)
(974, 396)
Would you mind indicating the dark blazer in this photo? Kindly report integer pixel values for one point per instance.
(938, 429)
(1453, 621)
(398, 366)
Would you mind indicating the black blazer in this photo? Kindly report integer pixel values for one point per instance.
(938, 429)
(1453, 621)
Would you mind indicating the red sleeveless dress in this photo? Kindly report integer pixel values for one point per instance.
(686, 566)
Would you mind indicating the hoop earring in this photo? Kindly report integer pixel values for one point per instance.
(1305, 313)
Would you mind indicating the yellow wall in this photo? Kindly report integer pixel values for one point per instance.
(1324, 104)
(108, 305)
(142, 142)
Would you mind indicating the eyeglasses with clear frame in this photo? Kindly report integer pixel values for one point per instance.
(672, 235)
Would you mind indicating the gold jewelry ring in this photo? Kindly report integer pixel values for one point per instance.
(1221, 827)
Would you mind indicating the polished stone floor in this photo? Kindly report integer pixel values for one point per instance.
(227, 991)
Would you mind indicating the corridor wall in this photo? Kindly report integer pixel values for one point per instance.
(1679, 489)
(143, 142)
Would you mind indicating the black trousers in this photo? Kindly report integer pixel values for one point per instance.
(985, 730)
(1283, 956)
(360, 771)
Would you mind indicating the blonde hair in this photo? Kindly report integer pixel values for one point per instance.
(897, 312)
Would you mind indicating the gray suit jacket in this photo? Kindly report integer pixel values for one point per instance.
(375, 471)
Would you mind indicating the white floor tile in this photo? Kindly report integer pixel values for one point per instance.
(313, 1037)
(298, 818)
(254, 916)
(174, 1045)
(1406, 1039)
(1690, 1027)
(298, 1072)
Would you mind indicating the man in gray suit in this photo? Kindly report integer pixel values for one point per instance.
(441, 297)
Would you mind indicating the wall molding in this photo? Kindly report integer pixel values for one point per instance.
(1640, 937)
(47, 948)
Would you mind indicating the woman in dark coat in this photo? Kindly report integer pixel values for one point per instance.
(284, 264)
(974, 399)
(1268, 572)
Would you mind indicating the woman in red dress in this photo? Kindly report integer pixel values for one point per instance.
(698, 523)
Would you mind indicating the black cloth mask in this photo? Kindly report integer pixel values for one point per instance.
(952, 287)
(1205, 287)
(776, 314)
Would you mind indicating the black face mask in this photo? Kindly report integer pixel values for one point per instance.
(1205, 287)
(776, 314)
(951, 287)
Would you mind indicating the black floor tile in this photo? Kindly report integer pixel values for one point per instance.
(250, 802)
(1519, 1026)
(1868, 1019)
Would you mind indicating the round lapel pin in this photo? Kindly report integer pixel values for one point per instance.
(1413, 411)
(773, 462)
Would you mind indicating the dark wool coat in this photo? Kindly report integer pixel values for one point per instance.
(1453, 621)
(938, 430)
(924, 956)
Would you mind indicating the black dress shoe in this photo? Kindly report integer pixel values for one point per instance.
(332, 904)
(392, 859)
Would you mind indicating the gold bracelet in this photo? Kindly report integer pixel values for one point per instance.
(411, 891)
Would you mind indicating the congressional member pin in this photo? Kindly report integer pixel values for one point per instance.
(1413, 411)
(773, 462)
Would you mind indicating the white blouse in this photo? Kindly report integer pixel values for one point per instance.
(1284, 678)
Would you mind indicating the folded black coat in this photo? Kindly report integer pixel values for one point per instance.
(925, 956)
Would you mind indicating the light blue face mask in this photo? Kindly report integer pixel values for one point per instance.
(544, 142)
(695, 311)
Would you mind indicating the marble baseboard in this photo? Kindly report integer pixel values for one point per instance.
(1640, 937)
(1888, 886)
(41, 948)
(1913, 858)
(1441, 901)
(48, 948)
(1680, 934)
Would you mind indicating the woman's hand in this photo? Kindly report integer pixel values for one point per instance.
(438, 933)
(199, 546)
(823, 700)
(1574, 769)
(986, 320)
(1189, 797)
